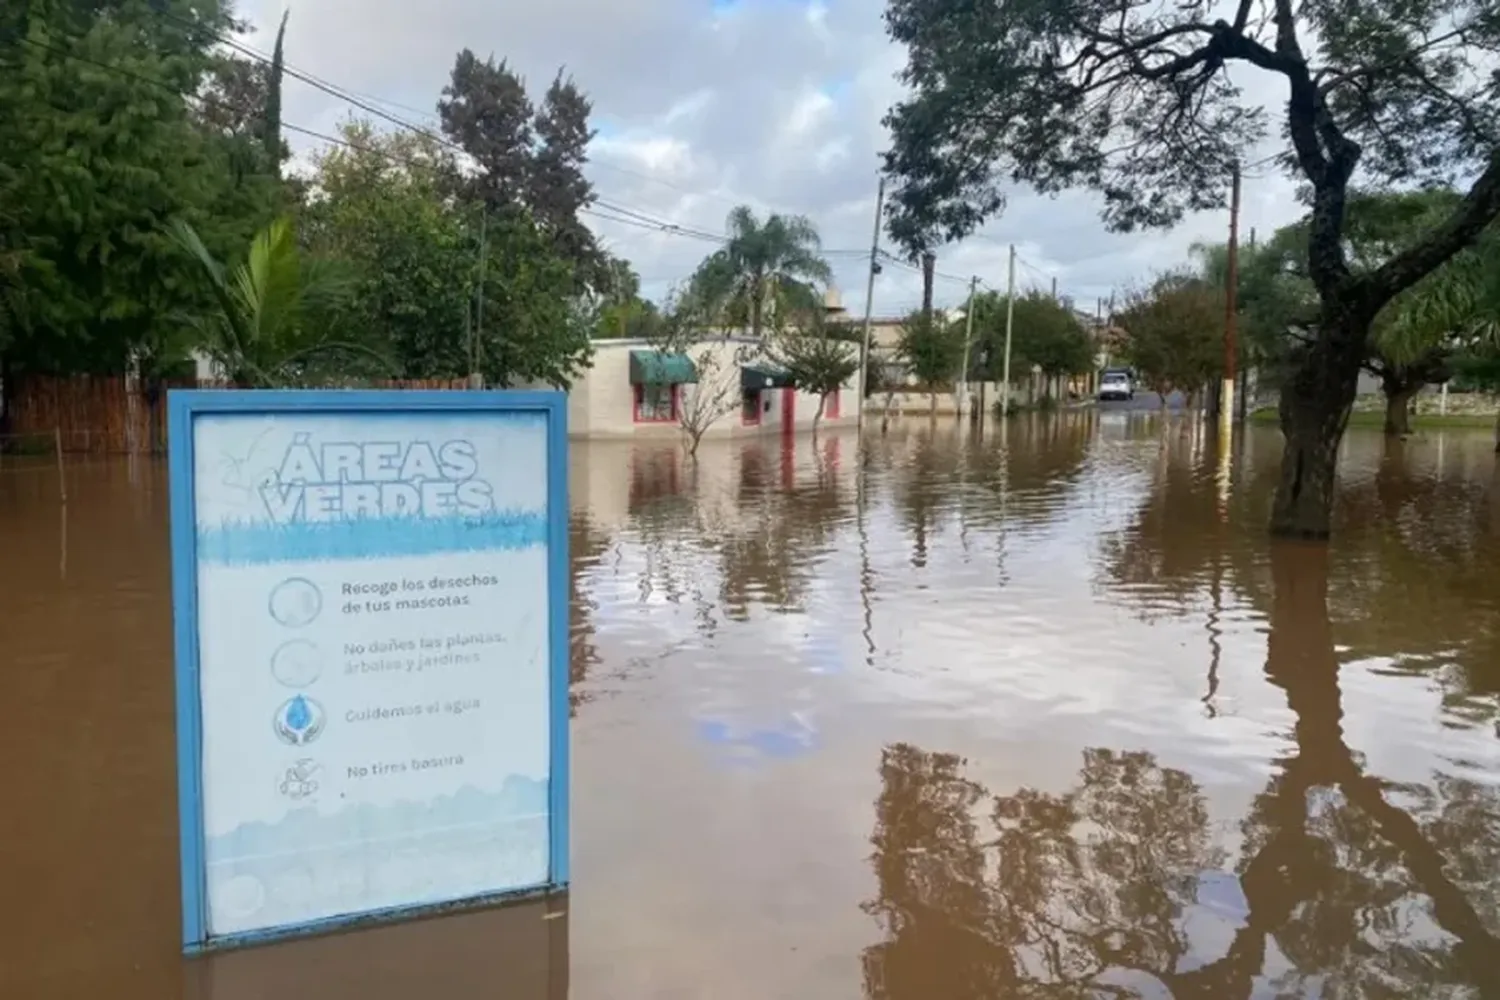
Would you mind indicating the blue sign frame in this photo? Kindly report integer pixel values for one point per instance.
(183, 407)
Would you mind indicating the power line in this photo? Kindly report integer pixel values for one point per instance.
(899, 262)
(605, 210)
(354, 97)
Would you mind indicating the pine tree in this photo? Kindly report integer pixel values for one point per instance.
(558, 188)
(485, 111)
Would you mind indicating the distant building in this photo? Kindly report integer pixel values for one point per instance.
(633, 390)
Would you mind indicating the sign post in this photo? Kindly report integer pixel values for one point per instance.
(370, 601)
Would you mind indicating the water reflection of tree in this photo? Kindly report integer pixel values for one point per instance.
(1412, 572)
(665, 513)
(586, 544)
(782, 529)
(1086, 893)
(939, 475)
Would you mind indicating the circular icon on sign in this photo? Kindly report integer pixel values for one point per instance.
(295, 602)
(296, 663)
(300, 721)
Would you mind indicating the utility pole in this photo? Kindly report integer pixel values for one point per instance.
(864, 350)
(1054, 288)
(1231, 283)
(1242, 400)
(1010, 315)
(963, 395)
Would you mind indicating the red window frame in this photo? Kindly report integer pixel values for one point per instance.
(747, 396)
(833, 406)
(639, 400)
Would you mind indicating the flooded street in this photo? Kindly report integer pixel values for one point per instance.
(955, 718)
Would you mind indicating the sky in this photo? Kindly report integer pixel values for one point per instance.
(702, 105)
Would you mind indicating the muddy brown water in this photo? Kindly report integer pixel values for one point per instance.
(955, 718)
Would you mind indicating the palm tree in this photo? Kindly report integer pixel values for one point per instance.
(272, 324)
(763, 263)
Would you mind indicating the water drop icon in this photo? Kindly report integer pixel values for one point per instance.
(298, 715)
(299, 721)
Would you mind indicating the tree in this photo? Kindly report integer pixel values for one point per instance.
(529, 157)
(1270, 300)
(815, 362)
(1410, 343)
(1136, 102)
(716, 392)
(533, 326)
(99, 150)
(1466, 301)
(379, 207)
(622, 311)
(762, 262)
(1045, 333)
(272, 147)
(557, 187)
(486, 111)
(932, 350)
(443, 290)
(912, 227)
(1173, 334)
(271, 328)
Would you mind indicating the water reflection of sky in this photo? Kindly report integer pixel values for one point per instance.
(996, 629)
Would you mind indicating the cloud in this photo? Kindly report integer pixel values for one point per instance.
(706, 104)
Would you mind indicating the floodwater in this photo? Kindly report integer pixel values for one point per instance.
(955, 718)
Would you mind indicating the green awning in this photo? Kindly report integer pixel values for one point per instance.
(763, 376)
(660, 368)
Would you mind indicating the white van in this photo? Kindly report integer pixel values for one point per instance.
(1116, 385)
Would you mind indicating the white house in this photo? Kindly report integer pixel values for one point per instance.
(634, 390)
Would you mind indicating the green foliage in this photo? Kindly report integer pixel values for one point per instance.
(817, 363)
(274, 314)
(534, 328)
(622, 311)
(1174, 333)
(931, 348)
(380, 208)
(1044, 333)
(635, 319)
(1137, 102)
(766, 266)
(120, 118)
(270, 126)
(1417, 331)
(1146, 104)
(98, 149)
(1274, 301)
(530, 158)
(440, 288)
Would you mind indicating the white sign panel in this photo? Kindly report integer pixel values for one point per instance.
(372, 659)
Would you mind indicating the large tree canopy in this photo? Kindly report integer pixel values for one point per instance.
(1135, 99)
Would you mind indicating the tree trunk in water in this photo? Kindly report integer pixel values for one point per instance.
(1314, 411)
(1398, 397)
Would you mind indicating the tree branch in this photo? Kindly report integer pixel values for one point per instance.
(1474, 214)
